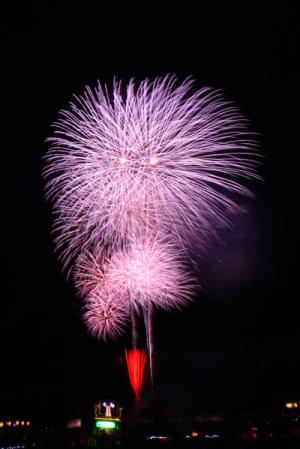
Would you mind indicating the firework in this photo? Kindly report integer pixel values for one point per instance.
(104, 312)
(90, 271)
(137, 175)
(136, 362)
(155, 156)
(147, 273)
(151, 272)
(104, 315)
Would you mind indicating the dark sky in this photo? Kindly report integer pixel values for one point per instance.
(239, 342)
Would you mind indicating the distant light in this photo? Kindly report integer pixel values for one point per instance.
(1, 424)
(74, 424)
(123, 160)
(17, 423)
(106, 424)
(104, 404)
(195, 435)
(291, 405)
(154, 160)
(254, 432)
(157, 437)
(112, 405)
(22, 423)
(28, 423)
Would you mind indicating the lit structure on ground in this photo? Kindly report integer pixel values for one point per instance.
(14, 423)
(107, 416)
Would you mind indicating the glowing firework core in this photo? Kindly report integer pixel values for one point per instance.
(154, 160)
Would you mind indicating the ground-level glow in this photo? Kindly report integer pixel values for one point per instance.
(106, 424)
(291, 405)
(157, 437)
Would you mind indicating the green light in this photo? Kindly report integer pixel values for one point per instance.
(106, 424)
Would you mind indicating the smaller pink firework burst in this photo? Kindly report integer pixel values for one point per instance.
(90, 272)
(151, 272)
(104, 315)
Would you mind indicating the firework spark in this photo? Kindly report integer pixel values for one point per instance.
(160, 156)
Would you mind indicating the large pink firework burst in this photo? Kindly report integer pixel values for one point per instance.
(159, 155)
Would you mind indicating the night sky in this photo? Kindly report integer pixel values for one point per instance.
(238, 344)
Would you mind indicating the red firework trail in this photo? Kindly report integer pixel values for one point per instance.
(136, 362)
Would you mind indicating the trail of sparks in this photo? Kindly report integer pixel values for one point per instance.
(136, 362)
(149, 337)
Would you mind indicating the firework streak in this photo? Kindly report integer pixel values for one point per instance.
(136, 362)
